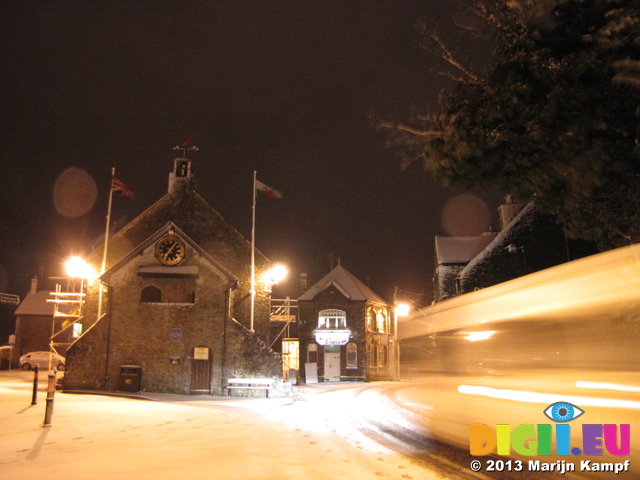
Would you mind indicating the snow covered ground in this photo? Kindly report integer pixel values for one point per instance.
(101, 437)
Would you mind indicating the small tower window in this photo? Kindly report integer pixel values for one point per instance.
(182, 168)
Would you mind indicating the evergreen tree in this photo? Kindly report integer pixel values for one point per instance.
(555, 117)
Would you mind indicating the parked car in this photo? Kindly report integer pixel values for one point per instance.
(30, 360)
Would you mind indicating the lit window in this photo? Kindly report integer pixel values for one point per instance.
(382, 355)
(372, 355)
(332, 319)
(381, 321)
(352, 355)
(371, 318)
(77, 330)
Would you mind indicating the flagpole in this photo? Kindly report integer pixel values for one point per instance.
(253, 250)
(106, 239)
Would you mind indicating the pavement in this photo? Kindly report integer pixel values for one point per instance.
(299, 393)
(107, 435)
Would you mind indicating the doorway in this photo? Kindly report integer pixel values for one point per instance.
(201, 371)
(332, 363)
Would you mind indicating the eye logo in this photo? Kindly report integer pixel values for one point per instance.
(563, 412)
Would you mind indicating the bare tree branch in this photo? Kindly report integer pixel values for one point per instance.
(431, 40)
(408, 129)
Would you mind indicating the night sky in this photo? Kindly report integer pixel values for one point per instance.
(281, 87)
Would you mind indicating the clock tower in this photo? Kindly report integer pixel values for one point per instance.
(182, 176)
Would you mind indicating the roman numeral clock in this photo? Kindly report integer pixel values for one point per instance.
(170, 250)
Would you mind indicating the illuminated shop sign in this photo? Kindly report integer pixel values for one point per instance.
(333, 337)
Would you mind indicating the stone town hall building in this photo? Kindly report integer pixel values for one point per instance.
(175, 315)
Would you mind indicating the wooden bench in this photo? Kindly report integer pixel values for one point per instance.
(249, 384)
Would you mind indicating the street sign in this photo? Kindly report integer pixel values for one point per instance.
(9, 299)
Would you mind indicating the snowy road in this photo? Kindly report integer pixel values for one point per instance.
(96, 437)
(359, 431)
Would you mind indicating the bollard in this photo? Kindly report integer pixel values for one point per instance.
(34, 395)
(51, 391)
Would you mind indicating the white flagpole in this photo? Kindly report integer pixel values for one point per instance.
(253, 250)
(106, 239)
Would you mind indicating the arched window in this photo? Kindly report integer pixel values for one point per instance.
(312, 353)
(371, 319)
(381, 321)
(352, 355)
(151, 294)
(332, 319)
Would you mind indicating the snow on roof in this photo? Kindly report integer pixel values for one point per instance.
(36, 304)
(461, 250)
(346, 282)
(500, 240)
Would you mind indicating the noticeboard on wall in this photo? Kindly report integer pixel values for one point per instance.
(201, 353)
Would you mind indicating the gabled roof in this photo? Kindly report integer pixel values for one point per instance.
(170, 226)
(499, 244)
(346, 283)
(461, 250)
(194, 216)
(38, 304)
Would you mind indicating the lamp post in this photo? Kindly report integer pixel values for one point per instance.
(400, 309)
(75, 268)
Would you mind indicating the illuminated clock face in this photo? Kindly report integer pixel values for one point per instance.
(170, 250)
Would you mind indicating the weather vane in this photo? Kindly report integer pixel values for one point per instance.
(186, 147)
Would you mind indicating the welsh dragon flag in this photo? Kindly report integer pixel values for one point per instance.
(267, 192)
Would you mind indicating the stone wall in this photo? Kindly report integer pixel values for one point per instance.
(86, 360)
(160, 337)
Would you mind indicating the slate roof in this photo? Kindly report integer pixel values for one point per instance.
(197, 219)
(461, 250)
(347, 283)
(37, 304)
(184, 270)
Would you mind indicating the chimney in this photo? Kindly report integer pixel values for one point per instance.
(34, 285)
(508, 211)
(303, 282)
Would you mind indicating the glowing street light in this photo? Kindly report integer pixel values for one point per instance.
(402, 309)
(76, 267)
(277, 274)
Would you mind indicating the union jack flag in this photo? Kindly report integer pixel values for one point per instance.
(118, 186)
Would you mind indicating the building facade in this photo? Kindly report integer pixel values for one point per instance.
(345, 331)
(173, 313)
(529, 240)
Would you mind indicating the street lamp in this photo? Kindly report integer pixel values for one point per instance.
(277, 274)
(400, 310)
(76, 267)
